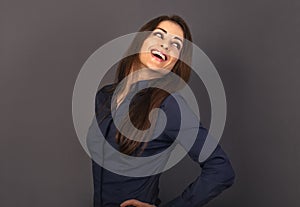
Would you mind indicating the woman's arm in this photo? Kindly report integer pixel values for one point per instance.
(217, 173)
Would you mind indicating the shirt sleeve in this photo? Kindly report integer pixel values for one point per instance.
(217, 173)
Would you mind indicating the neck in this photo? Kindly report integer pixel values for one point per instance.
(141, 74)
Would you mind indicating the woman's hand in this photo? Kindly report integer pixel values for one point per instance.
(136, 203)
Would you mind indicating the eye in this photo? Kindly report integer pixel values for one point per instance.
(177, 45)
(158, 34)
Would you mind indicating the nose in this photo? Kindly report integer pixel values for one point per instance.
(164, 46)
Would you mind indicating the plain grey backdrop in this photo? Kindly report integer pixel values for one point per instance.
(253, 44)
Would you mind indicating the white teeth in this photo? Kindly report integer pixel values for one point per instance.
(159, 53)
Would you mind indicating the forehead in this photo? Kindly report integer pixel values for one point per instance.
(171, 28)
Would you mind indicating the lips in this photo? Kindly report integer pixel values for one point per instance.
(158, 55)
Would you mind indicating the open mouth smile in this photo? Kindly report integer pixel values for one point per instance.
(158, 55)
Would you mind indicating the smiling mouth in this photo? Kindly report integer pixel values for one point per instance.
(159, 55)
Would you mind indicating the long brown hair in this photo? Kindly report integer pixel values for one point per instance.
(152, 97)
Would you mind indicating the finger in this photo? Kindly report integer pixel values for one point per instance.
(130, 202)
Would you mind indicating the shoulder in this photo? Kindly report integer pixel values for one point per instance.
(104, 93)
(172, 101)
(176, 107)
(106, 89)
(172, 109)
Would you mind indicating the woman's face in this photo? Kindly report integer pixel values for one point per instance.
(162, 47)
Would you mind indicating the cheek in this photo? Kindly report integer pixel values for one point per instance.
(171, 64)
(143, 50)
(143, 57)
(147, 44)
(175, 53)
(174, 58)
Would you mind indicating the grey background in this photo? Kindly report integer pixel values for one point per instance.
(253, 44)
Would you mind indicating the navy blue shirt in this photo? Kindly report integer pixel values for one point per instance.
(111, 189)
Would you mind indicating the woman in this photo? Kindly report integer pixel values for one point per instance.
(161, 52)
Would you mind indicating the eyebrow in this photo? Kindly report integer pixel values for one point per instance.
(167, 32)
